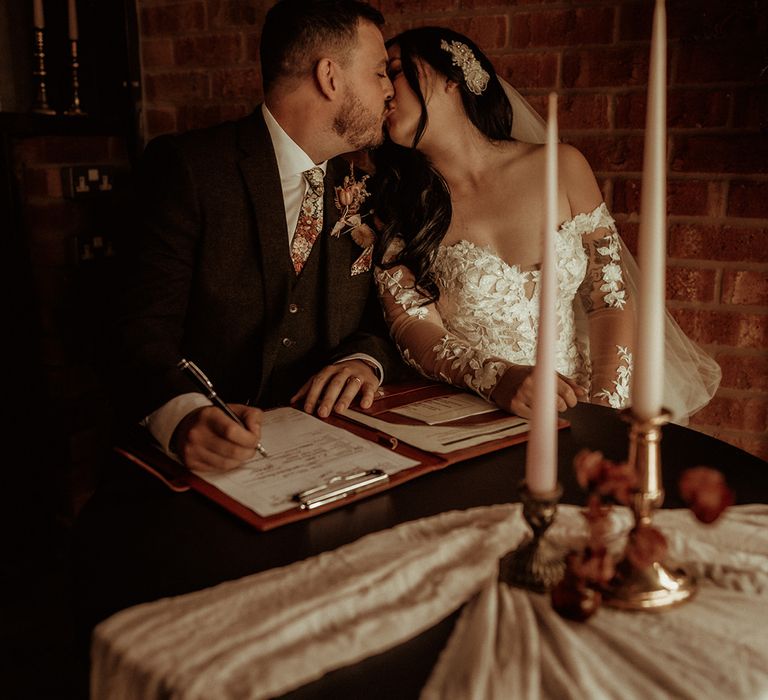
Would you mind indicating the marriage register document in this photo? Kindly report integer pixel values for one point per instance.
(303, 452)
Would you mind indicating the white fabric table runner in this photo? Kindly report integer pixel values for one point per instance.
(271, 632)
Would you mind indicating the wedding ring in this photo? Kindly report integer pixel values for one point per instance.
(355, 379)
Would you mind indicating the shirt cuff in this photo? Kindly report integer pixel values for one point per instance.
(163, 422)
(375, 364)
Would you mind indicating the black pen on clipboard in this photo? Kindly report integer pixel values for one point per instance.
(198, 376)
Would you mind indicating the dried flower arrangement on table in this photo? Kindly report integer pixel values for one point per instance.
(591, 569)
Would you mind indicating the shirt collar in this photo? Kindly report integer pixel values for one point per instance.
(291, 159)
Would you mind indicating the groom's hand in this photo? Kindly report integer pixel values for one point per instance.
(207, 439)
(334, 387)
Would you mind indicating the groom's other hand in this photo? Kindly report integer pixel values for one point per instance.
(207, 439)
(334, 387)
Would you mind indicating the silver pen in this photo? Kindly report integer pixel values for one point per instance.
(198, 376)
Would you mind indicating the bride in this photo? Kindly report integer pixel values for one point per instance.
(460, 203)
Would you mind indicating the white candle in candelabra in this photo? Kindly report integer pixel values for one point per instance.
(73, 33)
(39, 17)
(648, 381)
(541, 455)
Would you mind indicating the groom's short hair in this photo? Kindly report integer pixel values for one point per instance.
(297, 33)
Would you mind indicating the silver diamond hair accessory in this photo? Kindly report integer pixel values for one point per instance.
(474, 76)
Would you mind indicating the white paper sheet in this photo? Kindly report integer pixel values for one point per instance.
(303, 452)
(444, 439)
(446, 408)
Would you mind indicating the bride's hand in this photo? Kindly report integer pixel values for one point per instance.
(514, 392)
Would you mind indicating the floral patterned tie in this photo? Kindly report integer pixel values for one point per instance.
(310, 221)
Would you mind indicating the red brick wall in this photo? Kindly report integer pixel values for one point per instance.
(200, 60)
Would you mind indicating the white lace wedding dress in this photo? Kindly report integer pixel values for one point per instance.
(487, 315)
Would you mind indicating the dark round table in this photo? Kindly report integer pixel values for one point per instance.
(137, 541)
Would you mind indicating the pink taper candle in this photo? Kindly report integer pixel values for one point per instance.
(73, 33)
(648, 380)
(541, 456)
(39, 18)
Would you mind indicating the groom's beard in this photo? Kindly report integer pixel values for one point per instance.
(360, 127)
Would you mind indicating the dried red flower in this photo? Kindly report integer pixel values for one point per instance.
(574, 600)
(604, 477)
(592, 565)
(588, 466)
(619, 482)
(645, 545)
(706, 493)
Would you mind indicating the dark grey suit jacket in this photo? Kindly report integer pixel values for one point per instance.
(208, 276)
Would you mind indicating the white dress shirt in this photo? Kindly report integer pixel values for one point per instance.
(292, 161)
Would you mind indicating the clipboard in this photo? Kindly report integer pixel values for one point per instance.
(138, 447)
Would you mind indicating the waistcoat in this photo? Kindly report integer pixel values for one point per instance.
(302, 344)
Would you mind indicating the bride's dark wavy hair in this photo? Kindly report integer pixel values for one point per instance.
(411, 198)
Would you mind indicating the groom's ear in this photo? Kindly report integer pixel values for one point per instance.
(327, 77)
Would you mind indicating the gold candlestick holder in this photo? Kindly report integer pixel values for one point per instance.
(41, 93)
(537, 564)
(74, 109)
(655, 586)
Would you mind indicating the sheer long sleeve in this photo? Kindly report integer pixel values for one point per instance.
(425, 343)
(608, 308)
(502, 325)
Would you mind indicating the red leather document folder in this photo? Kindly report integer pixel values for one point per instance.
(139, 449)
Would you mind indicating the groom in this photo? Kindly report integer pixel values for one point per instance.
(233, 266)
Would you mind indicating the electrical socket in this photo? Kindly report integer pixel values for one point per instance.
(87, 180)
(89, 248)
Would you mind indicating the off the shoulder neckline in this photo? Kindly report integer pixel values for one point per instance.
(577, 222)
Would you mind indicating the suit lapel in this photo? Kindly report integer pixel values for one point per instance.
(258, 166)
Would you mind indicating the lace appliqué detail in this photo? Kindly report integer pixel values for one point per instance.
(620, 397)
(406, 355)
(484, 375)
(494, 306)
(407, 297)
(613, 280)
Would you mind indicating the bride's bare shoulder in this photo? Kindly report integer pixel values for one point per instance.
(572, 161)
(578, 179)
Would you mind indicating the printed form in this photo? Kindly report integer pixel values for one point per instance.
(304, 452)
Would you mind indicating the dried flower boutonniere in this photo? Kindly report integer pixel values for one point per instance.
(349, 198)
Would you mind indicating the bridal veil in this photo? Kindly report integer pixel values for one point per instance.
(691, 377)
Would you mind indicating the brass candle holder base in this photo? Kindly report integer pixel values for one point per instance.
(536, 564)
(655, 586)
